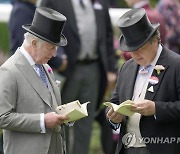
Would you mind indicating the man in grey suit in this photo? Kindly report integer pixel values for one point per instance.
(29, 94)
(91, 63)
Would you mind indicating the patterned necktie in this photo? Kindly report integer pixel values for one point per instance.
(42, 74)
(144, 70)
(82, 4)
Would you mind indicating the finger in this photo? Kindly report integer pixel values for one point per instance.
(110, 112)
(63, 117)
(114, 115)
(138, 109)
(117, 118)
(133, 107)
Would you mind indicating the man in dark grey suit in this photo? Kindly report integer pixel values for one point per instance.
(29, 94)
(151, 79)
(91, 59)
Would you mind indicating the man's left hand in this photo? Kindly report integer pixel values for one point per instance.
(144, 107)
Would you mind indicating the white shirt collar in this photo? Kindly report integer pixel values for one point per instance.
(77, 2)
(153, 63)
(27, 56)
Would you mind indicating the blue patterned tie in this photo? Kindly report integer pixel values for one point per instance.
(42, 74)
(82, 4)
(145, 70)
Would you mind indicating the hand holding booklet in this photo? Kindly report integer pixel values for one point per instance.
(74, 110)
(123, 108)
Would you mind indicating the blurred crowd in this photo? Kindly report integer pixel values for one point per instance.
(94, 50)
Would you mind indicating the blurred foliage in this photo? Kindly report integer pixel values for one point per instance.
(153, 2)
(95, 145)
(4, 37)
(122, 3)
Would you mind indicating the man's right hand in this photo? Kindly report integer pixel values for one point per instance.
(53, 119)
(114, 116)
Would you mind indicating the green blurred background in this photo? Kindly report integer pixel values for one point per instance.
(4, 37)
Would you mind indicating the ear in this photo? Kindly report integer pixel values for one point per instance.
(155, 43)
(34, 44)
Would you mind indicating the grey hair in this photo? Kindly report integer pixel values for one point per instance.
(28, 38)
(156, 35)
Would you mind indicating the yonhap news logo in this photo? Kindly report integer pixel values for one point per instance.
(130, 139)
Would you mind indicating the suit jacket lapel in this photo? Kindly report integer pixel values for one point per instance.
(32, 77)
(132, 72)
(55, 88)
(161, 61)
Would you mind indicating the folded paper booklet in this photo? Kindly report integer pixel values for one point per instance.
(74, 110)
(123, 108)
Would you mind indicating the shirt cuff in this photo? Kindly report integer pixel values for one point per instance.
(42, 124)
(114, 125)
(70, 124)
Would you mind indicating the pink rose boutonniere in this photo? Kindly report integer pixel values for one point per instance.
(50, 70)
(159, 68)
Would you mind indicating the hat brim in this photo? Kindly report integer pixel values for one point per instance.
(124, 47)
(63, 40)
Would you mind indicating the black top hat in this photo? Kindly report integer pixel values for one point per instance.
(136, 29)
(48, 24)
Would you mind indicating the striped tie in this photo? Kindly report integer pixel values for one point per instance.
(42, 74)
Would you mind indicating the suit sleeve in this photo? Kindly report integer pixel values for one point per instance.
(167, 112)
(10, 119)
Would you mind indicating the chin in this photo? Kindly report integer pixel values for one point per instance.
(46, 61)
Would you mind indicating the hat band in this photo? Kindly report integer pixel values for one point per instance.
(44, 35)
